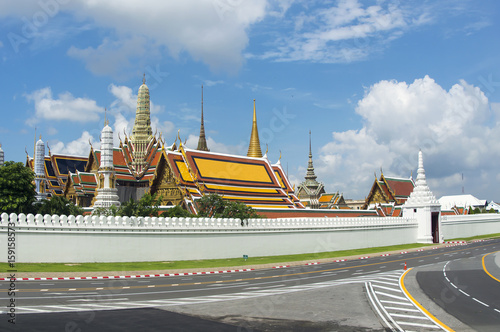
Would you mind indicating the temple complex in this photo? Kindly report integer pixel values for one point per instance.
(143, 163)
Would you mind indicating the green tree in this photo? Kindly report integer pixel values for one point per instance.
(147, 206)
(57, 205)
(17, 191)
(216, 206)
(102, 211)
(176, 211)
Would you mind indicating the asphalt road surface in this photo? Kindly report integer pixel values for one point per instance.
(337, 296)
(463, 288)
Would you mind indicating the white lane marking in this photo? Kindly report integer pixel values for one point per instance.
(497, 310)
(461, 291)
(151, 286)
(368, 291)
(97, 283)
(387, 288)
(398, 303)
(99, 288)
(44, 290)
(403, 309)
(389, 278)
(383, 282)
(409, 316)
(453, 285)
(486, 305)
(47, 284)
(31, 309)
(125, 287)
(420, 325)
(390, 295)
(62, 307)
(72, 289)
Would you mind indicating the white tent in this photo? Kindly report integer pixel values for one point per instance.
(466, 201)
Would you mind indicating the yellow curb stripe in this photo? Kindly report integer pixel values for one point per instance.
(484, 266)
(431, 316)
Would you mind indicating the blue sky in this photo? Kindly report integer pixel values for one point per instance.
(373, 80)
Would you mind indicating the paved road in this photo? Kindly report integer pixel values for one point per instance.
(463, 288)
(135, 303)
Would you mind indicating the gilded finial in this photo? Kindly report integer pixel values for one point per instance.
(179, 137)
(40, 136)
(267, 148)
(280, 155)
(254, 146)
(144, 78)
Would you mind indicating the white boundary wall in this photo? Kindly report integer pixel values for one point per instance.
(470, 225)
(127, 239)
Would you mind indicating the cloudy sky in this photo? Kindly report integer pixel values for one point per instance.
(375, 81)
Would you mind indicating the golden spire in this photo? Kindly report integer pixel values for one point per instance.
(202, 142)
(254, 147)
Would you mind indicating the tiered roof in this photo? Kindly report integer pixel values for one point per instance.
(332, 201)
(57, 168)
(389, 190)
(253, 181)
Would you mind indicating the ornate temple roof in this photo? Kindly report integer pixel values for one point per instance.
(310, 189)
(253, 181)
(389, 190)
(254, 146)
(57, 167)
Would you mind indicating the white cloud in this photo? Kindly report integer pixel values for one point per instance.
(116, 58)
(213, 32)
(78, 147)
(346, 32)
(453, 128)
(65, 107)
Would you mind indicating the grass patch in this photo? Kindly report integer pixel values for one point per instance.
(478, 237)
(199, 264)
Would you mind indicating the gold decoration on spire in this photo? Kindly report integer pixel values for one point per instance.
(202, 142)
(254, 147)
(179, 137)
(142, 134)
